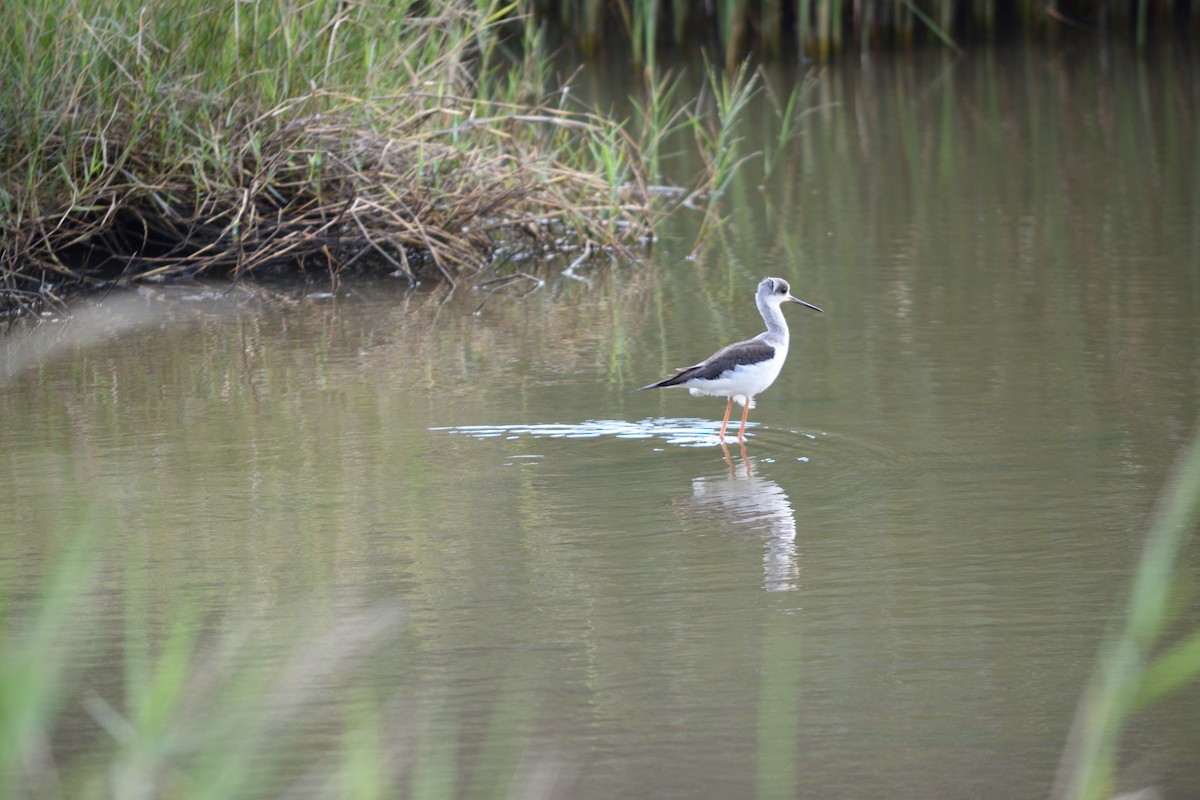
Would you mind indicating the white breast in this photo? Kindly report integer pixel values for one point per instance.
(743, 382)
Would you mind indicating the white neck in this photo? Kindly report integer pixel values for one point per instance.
(772, 314)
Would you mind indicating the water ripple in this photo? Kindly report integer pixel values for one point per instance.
(681, 431)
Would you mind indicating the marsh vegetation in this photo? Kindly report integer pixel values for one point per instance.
(156, 140)
(430, 141)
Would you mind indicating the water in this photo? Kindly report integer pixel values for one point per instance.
(896, 589)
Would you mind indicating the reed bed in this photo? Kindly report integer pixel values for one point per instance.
(143, 140)
(823, 28)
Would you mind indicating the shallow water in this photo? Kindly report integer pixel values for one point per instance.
(895, 590)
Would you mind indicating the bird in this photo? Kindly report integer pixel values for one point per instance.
(743, 369)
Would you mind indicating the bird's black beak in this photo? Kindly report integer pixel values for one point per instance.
(801, 302)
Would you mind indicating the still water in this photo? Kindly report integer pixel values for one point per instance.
(896, 589)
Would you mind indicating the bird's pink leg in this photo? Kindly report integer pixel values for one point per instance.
(745, 413)
(724, 422)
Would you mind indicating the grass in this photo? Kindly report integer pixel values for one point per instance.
(172, 140)
(1139, 665)
(196, 716)
(147, 140)
(208, 709)
(730, 94)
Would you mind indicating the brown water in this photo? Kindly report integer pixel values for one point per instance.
(897, 589)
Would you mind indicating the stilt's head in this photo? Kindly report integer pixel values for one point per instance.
(775, 292)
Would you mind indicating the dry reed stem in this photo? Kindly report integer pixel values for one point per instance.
(321, 190)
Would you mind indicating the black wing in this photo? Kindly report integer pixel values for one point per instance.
(750, 351)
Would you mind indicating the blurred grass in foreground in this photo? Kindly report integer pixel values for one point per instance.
(241, 713)
(1136, 667)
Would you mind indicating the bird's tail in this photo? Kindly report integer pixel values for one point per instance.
(682, 376)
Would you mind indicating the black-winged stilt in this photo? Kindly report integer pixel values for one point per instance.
(743, 370)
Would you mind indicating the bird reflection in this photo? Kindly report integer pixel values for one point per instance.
(743, 501)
